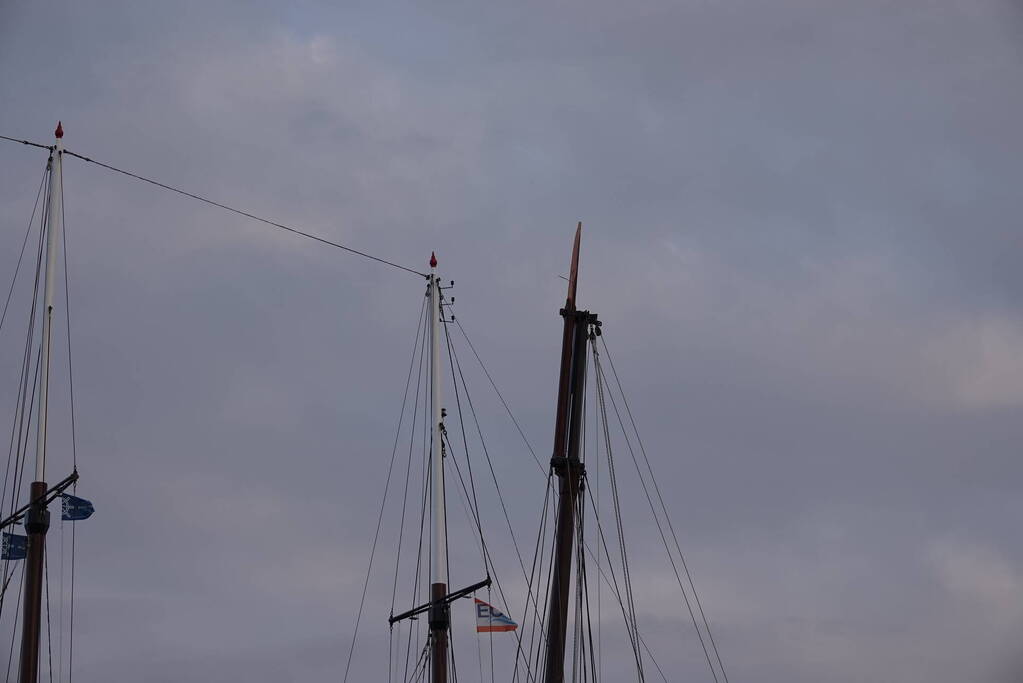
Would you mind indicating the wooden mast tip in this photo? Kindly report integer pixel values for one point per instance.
(573, 274)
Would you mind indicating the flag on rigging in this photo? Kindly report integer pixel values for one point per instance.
(73, 508)
(489, 619)
(15, 547)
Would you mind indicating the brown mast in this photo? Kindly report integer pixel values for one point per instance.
(566, 464)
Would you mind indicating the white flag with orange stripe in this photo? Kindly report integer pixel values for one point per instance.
(489, 619)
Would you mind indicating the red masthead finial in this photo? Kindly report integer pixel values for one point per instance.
(60, 131)
(433, 260)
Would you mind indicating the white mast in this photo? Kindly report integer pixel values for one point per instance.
(440, 619)
(53, 224)
(439, 544)
(37, 518)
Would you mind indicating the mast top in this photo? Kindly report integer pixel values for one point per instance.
(433, 259)
(573, 274)
(59, 133)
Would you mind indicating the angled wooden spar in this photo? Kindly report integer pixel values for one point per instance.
(566, 464)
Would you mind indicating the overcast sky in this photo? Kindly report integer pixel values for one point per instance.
(801, 232)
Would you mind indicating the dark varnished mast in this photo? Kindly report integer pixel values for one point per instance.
(566, 463)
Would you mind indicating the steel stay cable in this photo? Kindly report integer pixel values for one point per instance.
(607, 581)
(14, 631)
(246, 214)
(49, 634)
(613, 482)
(74, 449)
(24, 243)
(487, 558)
(26, 142)
(71, 628)
(529, 446)
(613, 581)
(479, 646)
(380, 516)
(19, 473)
(499, 395)
(508, 409)
(225, 207)
(18, 425)
(535, 572)
(420, 336)
(660, 530)
(426, 472)
(465, 445)
(671, 527)
(490, 465)
(67, 310)
(532, 451)
(461, 377)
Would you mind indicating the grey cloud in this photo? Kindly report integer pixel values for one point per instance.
(799, 231)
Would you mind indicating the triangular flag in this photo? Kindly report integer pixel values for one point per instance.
(489, 619)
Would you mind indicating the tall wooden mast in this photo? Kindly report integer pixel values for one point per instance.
(567, 465)
(37, 519)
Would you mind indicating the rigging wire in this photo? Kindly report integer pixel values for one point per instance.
(26, 142)
(487, 559)
(671, 527)
(18, 425)
(420, 334)
(380, 516)
(408, 472)
(246, 214)
(14, 631)
(71, 627)
(490, 465)
(499, 395)
(24, 243)
(537, 570)
(616, 504)
(500, 497)
(49, 633)
(67, 311)
(657, 520)
(74, 451)
(426, 473)
(465, 446)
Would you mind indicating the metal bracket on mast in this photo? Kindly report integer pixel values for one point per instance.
(42, 501)
(445, 600)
